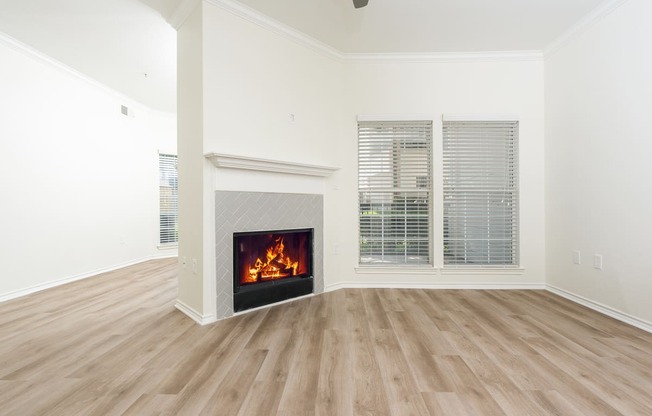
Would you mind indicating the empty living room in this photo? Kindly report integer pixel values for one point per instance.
(334, 207)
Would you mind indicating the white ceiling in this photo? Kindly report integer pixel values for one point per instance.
(117, 42)
(405, 26)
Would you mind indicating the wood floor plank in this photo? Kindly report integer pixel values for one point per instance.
(375, 311)
(123, 392)
(230, 394)
(554, 403)
(418, 315)
(115, 344)
(554, 372)
(515, 366)
(446, 403)
(400, 385)
(335, 377)
(188, 365)
(390, 300)
(149, 404)
(368, 390)
(25, 402)
(263, 398)
(435, 305)
(429, 377)
(303, 377)
(273, 374)
(579, 368)
(214, 367)
(338, 315)
(468, 386)
(517, 403)
(369, 397)
(485, 369)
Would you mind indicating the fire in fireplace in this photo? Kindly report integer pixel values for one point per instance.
(270, 266)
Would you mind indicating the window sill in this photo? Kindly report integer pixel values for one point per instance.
(430, 270)
(482, 271)
(172, 246)
(363, 269)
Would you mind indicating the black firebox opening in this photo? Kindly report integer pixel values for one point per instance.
(271, 266)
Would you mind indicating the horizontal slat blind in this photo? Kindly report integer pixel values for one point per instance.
(168, 198)
(480, 193)
(394, 187)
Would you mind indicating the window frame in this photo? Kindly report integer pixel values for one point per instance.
(168, 204)
(514, 194)
(396, 188)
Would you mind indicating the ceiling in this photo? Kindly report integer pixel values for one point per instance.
(410, 26)
(115, 42)
(129, 46)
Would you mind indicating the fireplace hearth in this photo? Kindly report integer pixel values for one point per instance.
(271, 266)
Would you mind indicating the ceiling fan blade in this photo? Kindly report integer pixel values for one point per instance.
(360, 3)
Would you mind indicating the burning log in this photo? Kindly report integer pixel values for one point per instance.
(276, 263)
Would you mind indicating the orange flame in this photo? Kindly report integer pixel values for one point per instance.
(276, 265)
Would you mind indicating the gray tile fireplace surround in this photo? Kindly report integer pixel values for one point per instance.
(258, 211)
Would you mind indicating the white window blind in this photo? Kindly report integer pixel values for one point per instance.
(168, 190)
(395, 188)
(480, 193)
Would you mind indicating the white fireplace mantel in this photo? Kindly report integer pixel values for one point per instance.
(221, 160)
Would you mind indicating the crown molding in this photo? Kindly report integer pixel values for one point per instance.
(597, 14)
(44, 59)
(281, 29)
(441, 57)
(182, 12)
(301, 38)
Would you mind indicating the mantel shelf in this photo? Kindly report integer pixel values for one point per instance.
(221, 160)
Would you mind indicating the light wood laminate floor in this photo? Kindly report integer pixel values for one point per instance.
(114, 344)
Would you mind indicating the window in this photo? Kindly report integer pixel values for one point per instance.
(394, 191)
(480, 166)
(168, 189)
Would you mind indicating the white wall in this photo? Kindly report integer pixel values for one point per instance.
(252, 86)
(433, 89)
(254, 80)
(79, 179)
(191, 167)
(598, 169)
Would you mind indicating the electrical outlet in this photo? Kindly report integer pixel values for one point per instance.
(194, 266)
(577, 257)
(597, 261)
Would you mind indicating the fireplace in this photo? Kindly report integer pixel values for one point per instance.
(236, 212)
(271, 266)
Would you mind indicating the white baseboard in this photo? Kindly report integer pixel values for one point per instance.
(603, 309)
(403, 285)
(54, 283)
(193, 314)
